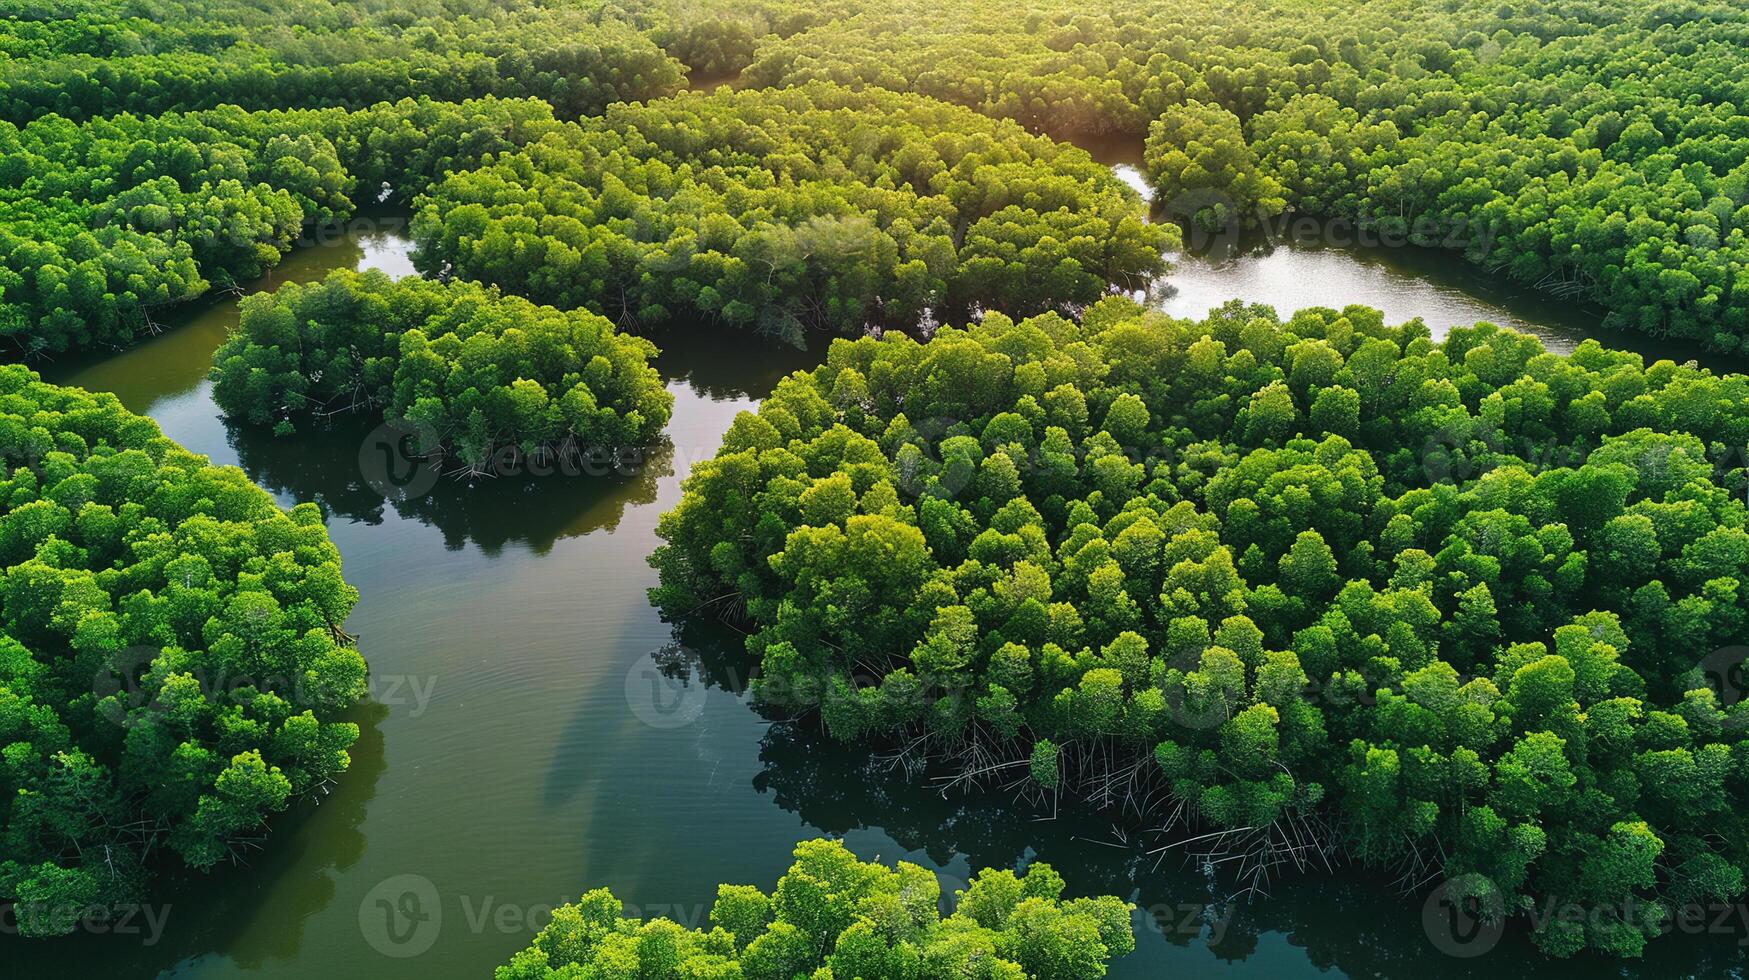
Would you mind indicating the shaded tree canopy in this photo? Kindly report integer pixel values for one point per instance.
(1592, 149)
(107, 226)
(85, 58)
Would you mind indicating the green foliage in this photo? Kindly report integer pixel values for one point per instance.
(1460, 606)
(717, 40)
(83, 59)
(1063, 69)
(834, 916)
(1588, 148)
(107, 226)
(783, 211)
(172, 662)
(1204, 171)
(477, 370)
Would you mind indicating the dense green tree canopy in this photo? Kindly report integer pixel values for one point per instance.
(1451, 597)
(782, 211)
(1204, 171)
(832, 916)
(718, 40)
(1448, 601)
(1593, 149)
(172, 659)
(86, 58)
(456, 361)
(106, 226)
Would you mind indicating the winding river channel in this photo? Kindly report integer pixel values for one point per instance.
(524, 743)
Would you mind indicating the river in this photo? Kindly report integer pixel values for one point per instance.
(525, 743)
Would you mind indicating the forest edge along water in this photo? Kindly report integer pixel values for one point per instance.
(1296, 261)
(535, 729)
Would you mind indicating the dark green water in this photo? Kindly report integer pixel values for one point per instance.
(526, 745)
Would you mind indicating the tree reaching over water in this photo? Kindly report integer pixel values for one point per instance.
(834, 916)
(781, 212)
(474, 372)
(173, 661)
(1319, 583)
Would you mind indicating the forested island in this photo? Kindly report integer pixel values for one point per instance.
(1325, 576)
(174, 665)
(472, 370)
(834, 916)
(1419, 604)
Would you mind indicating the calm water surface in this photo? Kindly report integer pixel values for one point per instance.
(526, 743)
(1304, 263)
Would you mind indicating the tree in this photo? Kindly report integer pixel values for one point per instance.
(832, 915)
(456, 362)
(1293, 623)
(1204, 170)
(173, 661)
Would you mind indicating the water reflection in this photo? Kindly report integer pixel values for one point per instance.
(536, 774)
(719, 362)
(175, 362)
(1305, 263)
(322, 465)
(1353, 921)
(1297, 261)
(705, 369)
(283, 884)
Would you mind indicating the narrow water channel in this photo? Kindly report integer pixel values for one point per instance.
(1302, 263)
(525, 743)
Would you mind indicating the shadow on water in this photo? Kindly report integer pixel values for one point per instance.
(323, 465)
(177, 360)
(720, 362)
(1348, 919)
(1115, 150)
(1302, 262)
(291, 877)
(322, 462)
(1295, 261)
(534, 774)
